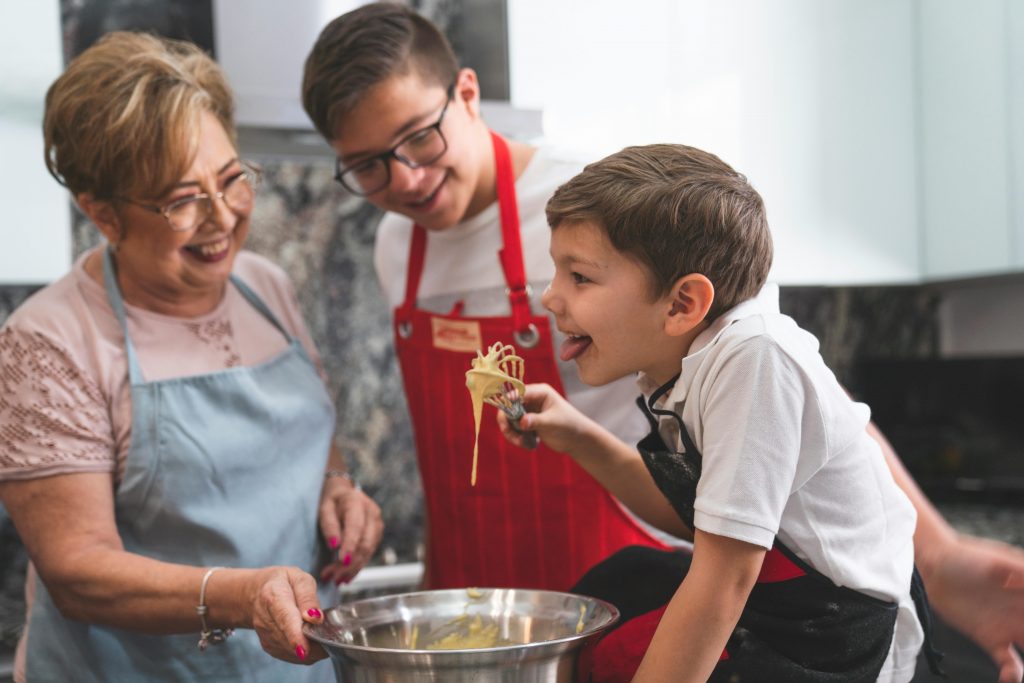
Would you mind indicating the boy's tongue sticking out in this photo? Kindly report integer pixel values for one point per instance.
(573, 347)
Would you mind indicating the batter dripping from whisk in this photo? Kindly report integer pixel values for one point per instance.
(495, 379)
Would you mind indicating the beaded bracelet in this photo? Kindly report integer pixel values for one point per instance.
(208, 635)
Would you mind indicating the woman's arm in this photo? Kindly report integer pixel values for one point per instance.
(704, 611)
(349, 520)
(615, 465)
(975, 585)
(67, 525)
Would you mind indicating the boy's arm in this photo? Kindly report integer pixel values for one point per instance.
(702, 614)
(615, 465)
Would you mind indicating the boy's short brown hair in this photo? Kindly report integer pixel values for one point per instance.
(677, 210)
(364, 47)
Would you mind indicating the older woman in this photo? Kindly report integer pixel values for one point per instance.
(165, 435)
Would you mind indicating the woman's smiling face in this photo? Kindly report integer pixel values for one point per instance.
(183, 273)
(601, 299)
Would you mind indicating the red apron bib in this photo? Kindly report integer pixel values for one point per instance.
(534, 519)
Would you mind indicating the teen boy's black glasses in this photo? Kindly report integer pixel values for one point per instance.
(417, 149)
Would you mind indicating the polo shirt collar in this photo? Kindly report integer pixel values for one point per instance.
(765, 303)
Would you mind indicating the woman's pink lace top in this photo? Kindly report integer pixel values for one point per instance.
(65, 401)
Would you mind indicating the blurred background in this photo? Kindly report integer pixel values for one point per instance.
(886, 136)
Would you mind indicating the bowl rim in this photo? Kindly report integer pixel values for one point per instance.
(613, 611)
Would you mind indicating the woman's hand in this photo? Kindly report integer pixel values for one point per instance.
(977, 586)
(555, 421)
(352, 527)
(281, 599)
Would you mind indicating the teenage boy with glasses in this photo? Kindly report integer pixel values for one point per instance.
(462, 256)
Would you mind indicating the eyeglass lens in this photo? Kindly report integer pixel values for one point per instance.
(421, 149)
(191, 211)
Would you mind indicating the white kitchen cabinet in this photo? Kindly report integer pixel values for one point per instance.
(969, 198)
(886, 136)
(36, 227)
(1015, 46)
(813, 101)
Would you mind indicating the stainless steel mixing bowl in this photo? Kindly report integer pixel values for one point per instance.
(369, 640)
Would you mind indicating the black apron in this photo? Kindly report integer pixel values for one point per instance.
(797, 625)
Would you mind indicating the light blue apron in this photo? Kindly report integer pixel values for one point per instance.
(224, 469)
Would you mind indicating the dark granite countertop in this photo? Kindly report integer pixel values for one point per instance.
(1000, 522)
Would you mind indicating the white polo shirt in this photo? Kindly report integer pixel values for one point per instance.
(786, 453)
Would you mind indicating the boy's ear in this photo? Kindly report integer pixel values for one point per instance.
(692, 296)
(103, 215)
(467, 90)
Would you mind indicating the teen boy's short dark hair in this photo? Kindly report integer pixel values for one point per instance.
(677, 210)
(364, 47)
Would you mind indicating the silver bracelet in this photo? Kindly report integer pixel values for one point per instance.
(209, 635)
(343, 474)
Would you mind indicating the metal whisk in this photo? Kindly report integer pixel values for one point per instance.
(501, 361)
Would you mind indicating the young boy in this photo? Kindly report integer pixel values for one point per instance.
(462, 256)
(803, 543)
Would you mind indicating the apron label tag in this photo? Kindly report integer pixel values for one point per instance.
(456, 335)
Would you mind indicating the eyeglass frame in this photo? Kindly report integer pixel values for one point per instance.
(385, 157)
(252, 174)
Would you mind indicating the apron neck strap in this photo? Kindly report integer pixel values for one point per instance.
(417, 256)
(117, 303)
(652, 414)
(256, 302)
(510, 256)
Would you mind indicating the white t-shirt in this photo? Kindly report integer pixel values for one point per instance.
(785, 452)
(462, 265)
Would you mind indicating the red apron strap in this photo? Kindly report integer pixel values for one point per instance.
(777, 567)
(511, 255)
(417, 256)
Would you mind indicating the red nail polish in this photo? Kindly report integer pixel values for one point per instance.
(347, 561)
(313, 612)
(341, 580)
(333, 542)
(300, 652)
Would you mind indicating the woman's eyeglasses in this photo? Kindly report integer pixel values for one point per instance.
(188, 213)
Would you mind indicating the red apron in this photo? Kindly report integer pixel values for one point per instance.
(534, 519)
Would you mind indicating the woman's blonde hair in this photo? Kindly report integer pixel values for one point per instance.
(123, 118)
